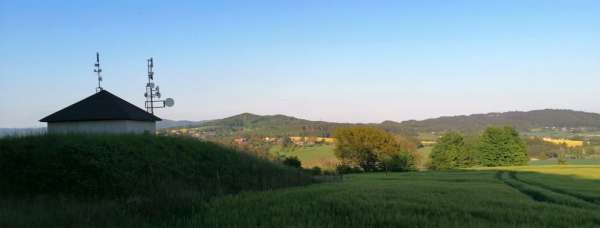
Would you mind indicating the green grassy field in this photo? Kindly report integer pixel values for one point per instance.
(569, 162)
(531, 196)
(310, 156)
(561, 134)
(424, 157)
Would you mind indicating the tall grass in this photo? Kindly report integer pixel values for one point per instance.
(141, 175)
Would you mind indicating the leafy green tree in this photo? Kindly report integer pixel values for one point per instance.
(501, 146)
(370, 148)
(292, 162)
(450, 152)
(398, 162)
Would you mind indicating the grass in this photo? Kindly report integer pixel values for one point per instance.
(316, 155)
(123, 180)
(425, 157)
(148, 181)
(569, 162)
(554, 196)
(561, 134)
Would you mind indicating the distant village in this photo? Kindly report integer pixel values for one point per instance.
(209, 134)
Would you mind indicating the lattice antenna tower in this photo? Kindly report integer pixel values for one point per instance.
(153, 92)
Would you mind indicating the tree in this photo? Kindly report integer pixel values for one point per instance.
(501, 146)
(451, 152)
(370, 148)
(540, 149)
(286, 142)
(292, 162)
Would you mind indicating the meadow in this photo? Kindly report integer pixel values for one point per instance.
(315, 155)
(540, 196)
(569, 162)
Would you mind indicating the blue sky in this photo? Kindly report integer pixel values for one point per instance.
(345, 61)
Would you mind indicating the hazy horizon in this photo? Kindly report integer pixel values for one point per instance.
(338, 61)
(273, 114)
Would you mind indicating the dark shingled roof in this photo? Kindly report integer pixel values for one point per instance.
(101, 106)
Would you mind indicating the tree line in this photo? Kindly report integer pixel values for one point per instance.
(369, 149)
(496, 146)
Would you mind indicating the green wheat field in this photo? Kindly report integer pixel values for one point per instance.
(540, 196)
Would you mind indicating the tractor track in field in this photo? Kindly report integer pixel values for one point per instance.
(588, 199)
(519, 187)
(537, 193)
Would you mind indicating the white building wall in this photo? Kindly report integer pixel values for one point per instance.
(105, 126)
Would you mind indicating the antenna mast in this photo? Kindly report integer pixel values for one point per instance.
(153, 92)
(98, 71)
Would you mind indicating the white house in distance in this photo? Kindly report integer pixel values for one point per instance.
(102, 112)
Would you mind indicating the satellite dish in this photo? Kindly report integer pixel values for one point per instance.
(169, 102)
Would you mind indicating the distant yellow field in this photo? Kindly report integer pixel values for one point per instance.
(428, 142)
(569, 143)
(316, 139)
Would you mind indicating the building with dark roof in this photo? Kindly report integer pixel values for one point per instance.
(102, 112)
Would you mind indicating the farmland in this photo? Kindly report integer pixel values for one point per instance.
(508, 197)
(250, 192)
(311, 156)
(323, 156)
(567, 142)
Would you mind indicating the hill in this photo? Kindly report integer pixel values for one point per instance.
(547, 118)
(21, 131)
(176, 123)
(280, 125)
(268, 125)
(81, 163)
(108, 179)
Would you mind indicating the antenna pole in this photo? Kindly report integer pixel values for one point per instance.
(153, 92)
(150, 79)
(98, 70)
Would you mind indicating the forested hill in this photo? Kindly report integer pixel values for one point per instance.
(270, 125)
(277, 125)
(176, 123)
(521, 120)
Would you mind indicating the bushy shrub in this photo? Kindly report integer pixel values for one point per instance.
(293, 162)
(451, 152)
(372, 149)
(346, 169)
(315, 171)
(399, 162)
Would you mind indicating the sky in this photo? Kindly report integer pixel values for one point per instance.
(342, 61)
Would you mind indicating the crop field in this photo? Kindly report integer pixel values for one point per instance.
(569, 162)
(567, 142)
(561, 134)
(530, 196)
(317, 155)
